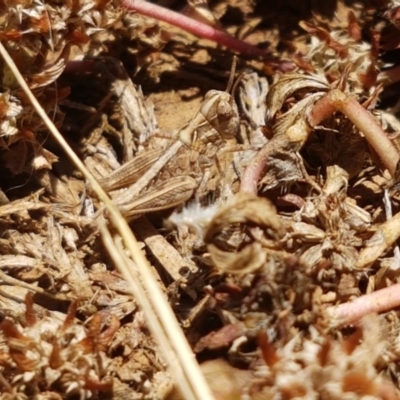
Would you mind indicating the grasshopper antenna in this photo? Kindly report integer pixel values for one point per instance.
(232, 72)
(233, 83)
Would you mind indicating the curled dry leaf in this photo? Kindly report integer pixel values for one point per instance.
(386, 234)
(246, 209)
(227, 228)
(245, 261)
(287, 85)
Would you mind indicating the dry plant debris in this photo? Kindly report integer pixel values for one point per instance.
(265, 198)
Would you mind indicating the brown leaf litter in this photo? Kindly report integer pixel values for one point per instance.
(265, 198)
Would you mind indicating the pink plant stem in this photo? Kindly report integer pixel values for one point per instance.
(321, 110)
(325, 107)
(254, 170)
(362, 119)
(379, 301)
(195, 27)
(258, 164)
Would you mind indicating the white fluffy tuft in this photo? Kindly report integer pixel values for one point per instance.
(194, 218)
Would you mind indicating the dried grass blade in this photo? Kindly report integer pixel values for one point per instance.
(116, 252)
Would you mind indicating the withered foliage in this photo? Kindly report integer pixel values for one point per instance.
(54, 356)
(270, 210)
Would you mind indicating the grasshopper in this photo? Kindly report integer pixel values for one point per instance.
(216, 121)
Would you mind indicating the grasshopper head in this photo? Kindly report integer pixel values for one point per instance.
(217, 120)
(220, 111)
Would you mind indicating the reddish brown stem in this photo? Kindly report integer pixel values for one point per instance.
(279, 143)
(362, 119)
(75, 66)
(321, 110)
(379, 301)
(195, 27)
(333, 101)
(254, 170)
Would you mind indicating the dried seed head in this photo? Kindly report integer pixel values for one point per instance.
(10, 110)
(56, 356)
(318, 366)
(331, 53)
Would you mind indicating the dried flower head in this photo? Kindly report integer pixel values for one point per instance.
(326, 367)
(10, 110)
(331, 52)
(55, 356)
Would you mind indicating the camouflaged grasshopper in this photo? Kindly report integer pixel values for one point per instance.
(199, 140)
